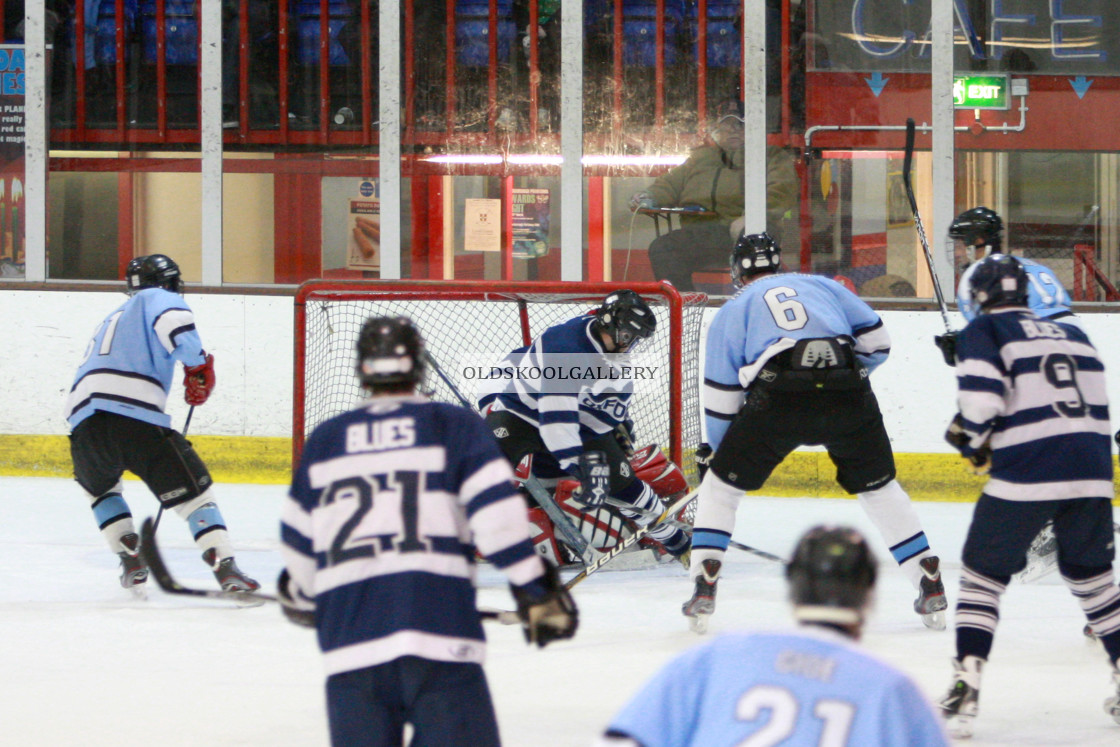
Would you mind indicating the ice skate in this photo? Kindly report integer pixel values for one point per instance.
(134, 574)
(931, 603)
(231, 579)
(703, 602)
(1112, 704)
(1042, 556)
(962, 702)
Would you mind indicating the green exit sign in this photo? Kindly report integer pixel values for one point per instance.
(981, 92)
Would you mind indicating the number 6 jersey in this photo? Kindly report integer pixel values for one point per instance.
(769, 316)
(380, 527)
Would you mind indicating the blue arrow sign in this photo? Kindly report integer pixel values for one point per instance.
(1081, 85)
(877, 83)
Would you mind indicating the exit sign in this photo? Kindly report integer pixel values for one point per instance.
(981, 92)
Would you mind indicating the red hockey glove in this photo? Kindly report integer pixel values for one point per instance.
(199, 381)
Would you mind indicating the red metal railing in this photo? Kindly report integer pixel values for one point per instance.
(1089, 281)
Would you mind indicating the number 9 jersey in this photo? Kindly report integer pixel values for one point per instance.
(1046, 296)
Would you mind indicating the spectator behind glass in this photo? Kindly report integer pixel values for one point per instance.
(711, 180)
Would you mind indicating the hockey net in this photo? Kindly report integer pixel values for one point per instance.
(461, 319)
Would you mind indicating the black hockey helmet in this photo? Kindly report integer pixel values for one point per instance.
(978, 227)
(390, 352)
(998, 280)
(626, 318)
(153, 271)
(831, 576)
(753, 255)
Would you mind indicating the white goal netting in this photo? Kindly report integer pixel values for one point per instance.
(471, 320)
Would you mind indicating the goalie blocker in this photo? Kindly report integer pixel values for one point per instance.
(602, 525)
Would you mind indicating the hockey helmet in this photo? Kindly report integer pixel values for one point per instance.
(390, 352)
(831, 576)
(753, 255)
(978, 227)
(626, 319)
(998, 280)
(153, 271)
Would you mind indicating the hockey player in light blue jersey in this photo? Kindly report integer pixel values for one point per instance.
(117, 420)
(978, 232)
(378, 535)
(1034, 418)
(786, 366)
(811, 687)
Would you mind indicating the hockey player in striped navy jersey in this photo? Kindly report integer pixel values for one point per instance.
(1034, 418)
(378, 537)
(787, 365)
(117, 420)
(978, 233)
(809, 687)
(568, 425)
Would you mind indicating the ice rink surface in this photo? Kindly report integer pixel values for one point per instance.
(85, 664)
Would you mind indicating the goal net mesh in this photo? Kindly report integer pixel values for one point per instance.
(465, 321)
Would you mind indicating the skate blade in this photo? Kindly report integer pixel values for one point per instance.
(959, 727)
(934, 620)
(698, 624)
(139, 592)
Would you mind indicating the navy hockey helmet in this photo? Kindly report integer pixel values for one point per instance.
(626, 319)
(390, 353)
(978, 227)
(153, 271)
(753, 255)
(998, 280)
(831, 576)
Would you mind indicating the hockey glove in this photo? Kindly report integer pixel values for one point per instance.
(295, 606)
(641, 201)
(199, 381)
(546, 609)
(704, 456)
(980, 460)
(594, 479)
(948, 345)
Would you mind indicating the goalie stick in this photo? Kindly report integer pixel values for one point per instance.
(907, 162)
(621, 547)
(149, 551)
(568, 531)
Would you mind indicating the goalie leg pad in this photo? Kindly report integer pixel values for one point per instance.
(652, 467)
(544, 537)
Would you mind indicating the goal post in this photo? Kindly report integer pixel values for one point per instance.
(485, 320)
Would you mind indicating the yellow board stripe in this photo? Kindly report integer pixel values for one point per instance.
(926, 477)
(230, 458)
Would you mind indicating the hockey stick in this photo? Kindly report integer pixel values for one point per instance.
(186, 425)
(907, 161)
(755, 551)
(621, 547)
(150, 553)
(688, 528)
(570, 534)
